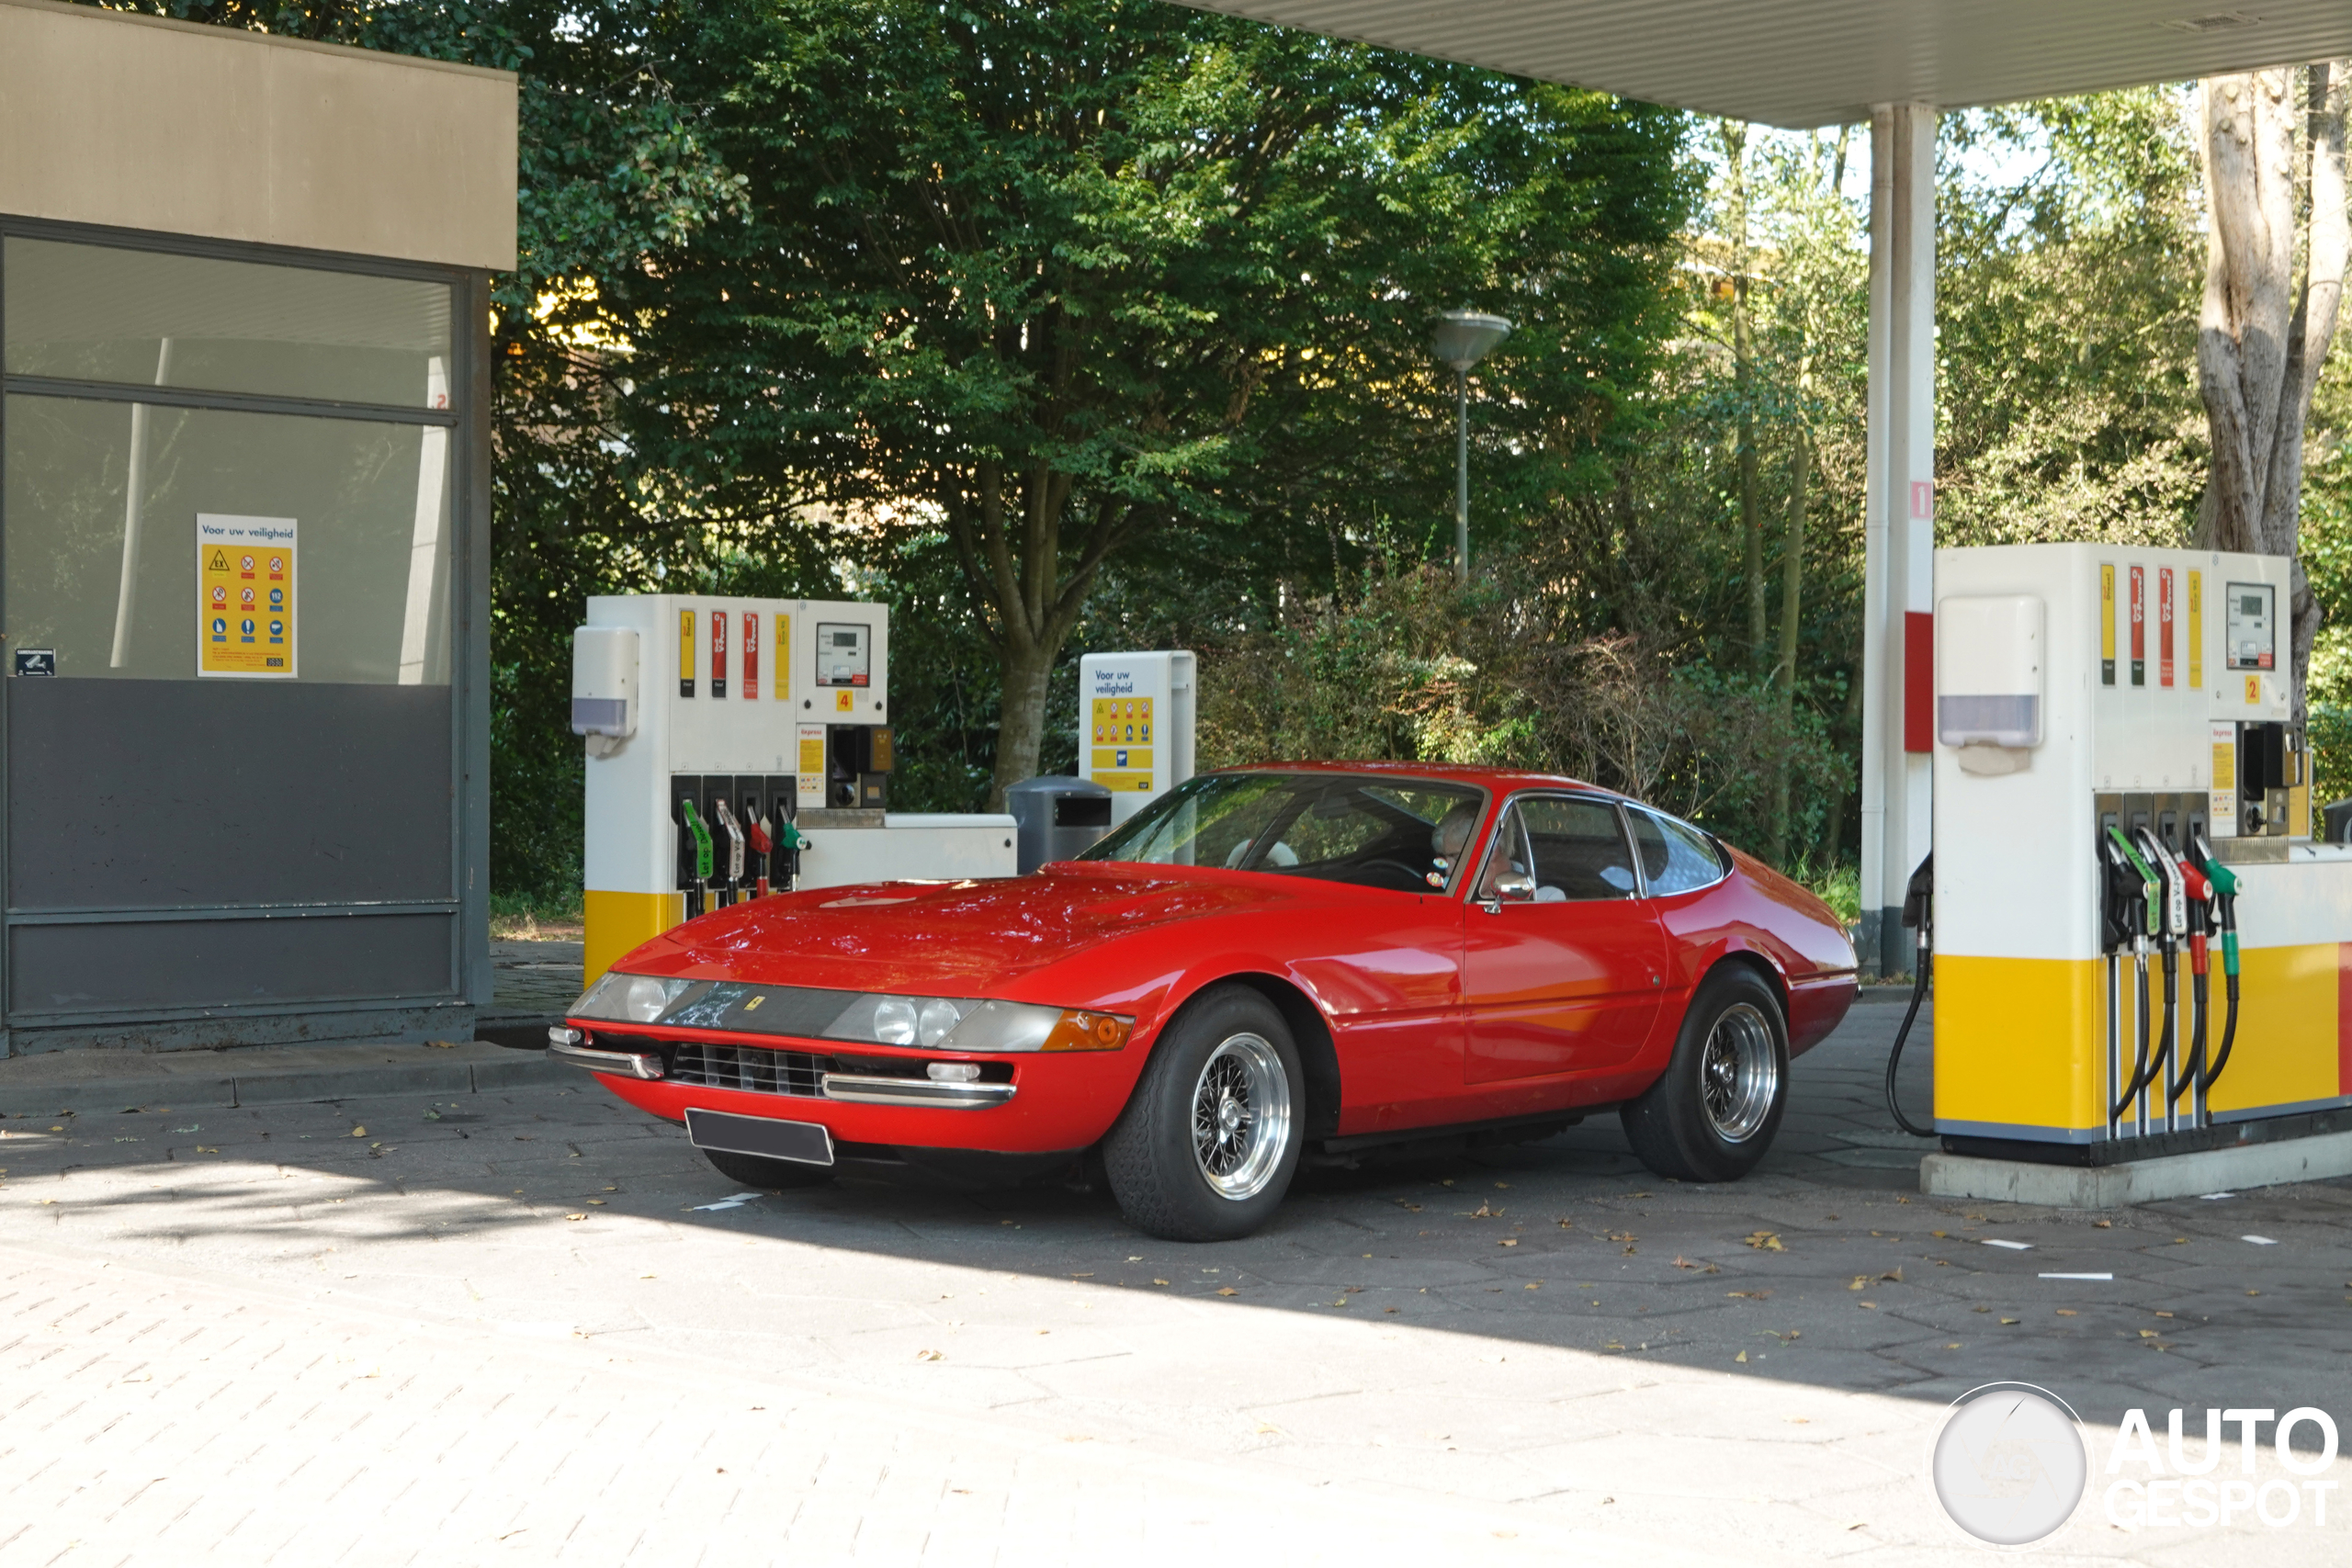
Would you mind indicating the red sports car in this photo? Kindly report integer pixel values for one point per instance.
(1261, 964)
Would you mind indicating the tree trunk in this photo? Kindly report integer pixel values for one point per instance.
(1007, 527)
(1784, 670)
(2261, 340)
(1743, 345)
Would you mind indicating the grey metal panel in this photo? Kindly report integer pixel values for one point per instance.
(470, 642)
(106, 969)
(138, 794)
(1809, 62)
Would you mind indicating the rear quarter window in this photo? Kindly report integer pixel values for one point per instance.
(1676, 857)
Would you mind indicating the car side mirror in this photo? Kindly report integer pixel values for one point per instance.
(1515, 886)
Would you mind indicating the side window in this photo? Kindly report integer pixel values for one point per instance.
(1578, 849)
(1676, 857)
(1508, 858)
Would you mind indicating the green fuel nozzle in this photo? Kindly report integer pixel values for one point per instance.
(2145, 918)
(701, 832)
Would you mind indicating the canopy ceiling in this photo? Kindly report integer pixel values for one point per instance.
(1808, 63)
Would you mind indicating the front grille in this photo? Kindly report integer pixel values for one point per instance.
(748, 1067)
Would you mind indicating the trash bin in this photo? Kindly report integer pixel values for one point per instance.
(2335, 820)
(1057, 818)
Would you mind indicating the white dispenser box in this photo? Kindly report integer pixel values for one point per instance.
(1135, 725)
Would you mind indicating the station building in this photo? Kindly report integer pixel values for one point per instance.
(244, 518)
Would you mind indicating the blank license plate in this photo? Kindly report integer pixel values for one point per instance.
(803, 1141)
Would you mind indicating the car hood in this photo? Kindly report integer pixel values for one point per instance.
(972, 938)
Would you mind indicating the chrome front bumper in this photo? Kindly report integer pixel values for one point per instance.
(619, 1063)
(857, 1089)
(864, 1090)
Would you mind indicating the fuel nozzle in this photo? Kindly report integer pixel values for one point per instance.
(2225, 901)
(734, 831)
(755, 828)
(698, 896)
(2133, 903)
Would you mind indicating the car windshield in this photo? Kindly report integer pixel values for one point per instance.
(1407, 834)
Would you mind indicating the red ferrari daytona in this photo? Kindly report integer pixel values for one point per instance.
(1261, 965)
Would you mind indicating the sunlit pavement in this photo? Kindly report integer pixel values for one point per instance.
(532, 1324)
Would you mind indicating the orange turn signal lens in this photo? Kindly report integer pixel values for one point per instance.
(1081, 1030)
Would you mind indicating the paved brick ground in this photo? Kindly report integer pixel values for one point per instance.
(376, 1331)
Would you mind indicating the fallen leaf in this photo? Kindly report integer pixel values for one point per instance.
(1504, 1186)
(1159, 1281)
(1227, 1290)
(1872, 1305)
(1860, 1281)
(2008, 1320)
(1765, 1241)
(1621, 1236)
(2068, 1311)
(1895, 1274)
(1741, 1357)
(2104, 1224)
(1980, 1309)
(2164, 1314)
(1798, 1420)
(1388, 1309)
(1565, 1224)
(1508, 1241)
(598, 1201)
(1613, 1345)
(930, 1356)
(1940, 1235)
(359, 1132)
(575, 1217)
(1483, 1213)
(1681, 1262)
(1408, 1208)
(1953, 1346)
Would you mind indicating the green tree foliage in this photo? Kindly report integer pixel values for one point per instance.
(1054, 282)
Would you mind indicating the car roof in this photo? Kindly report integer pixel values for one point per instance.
(1500, 780)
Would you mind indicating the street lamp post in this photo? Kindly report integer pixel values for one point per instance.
(1463, 338)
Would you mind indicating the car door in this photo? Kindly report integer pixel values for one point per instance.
(1563, 960)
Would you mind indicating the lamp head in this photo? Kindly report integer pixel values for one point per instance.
(1465, 337)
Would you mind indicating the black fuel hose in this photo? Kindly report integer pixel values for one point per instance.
(2229, 1034)
(2192, 1062)
(1919, 909)
(1894, 1058)
(2140, 1065)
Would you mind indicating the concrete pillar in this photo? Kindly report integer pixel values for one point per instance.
(1899, 529)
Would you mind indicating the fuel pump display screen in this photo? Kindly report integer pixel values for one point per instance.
(843, 654)
(2253, 643)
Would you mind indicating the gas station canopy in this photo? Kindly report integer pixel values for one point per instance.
(1811, 62)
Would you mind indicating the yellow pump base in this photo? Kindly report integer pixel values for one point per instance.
(618, 921)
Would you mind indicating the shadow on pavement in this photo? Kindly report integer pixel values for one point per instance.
(1825, 1267)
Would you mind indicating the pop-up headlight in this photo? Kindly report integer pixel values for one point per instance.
(635, 998)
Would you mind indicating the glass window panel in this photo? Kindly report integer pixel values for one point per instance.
(1676, 857)
(1579, 851)
(100, 510)
(95, 314)
(1383, 832)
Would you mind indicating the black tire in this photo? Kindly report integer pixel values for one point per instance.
(1735, 1039)
(1164, 1183)
(777, 1175)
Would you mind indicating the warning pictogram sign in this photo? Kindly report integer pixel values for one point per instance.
(245, 645)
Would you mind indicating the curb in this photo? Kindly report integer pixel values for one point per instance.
(497, 1068)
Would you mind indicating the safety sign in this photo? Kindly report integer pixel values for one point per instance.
(245, 593)
(1120, 757)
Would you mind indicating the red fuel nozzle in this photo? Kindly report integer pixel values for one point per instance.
(2200, 888)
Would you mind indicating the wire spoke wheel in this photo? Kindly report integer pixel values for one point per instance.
(1739, 1072)
(1241, 1113)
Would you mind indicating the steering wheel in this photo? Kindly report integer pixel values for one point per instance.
(1412, 878)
